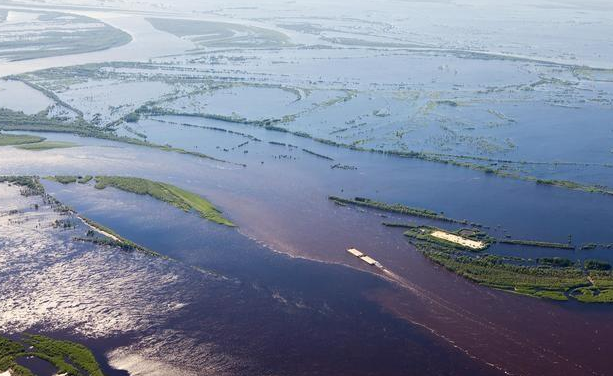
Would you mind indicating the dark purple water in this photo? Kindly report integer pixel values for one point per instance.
(38, 366)
(283, 203)
(287, 315)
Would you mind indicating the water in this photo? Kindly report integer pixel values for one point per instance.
(38, 366)
(284, 210)
(253, 309)
(12, 94)
(244, 311)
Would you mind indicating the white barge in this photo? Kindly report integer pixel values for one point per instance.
(367, 259)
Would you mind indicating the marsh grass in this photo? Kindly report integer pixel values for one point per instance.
(168, 193)
(18, 139)
(47, 145)
(69, 358)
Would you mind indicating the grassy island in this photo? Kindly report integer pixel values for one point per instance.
(63, 179)
(175, 196)
(550, 278)
(69, 358)
(168, 193)
(535, 243)
(69, 179)
(463, 239)
(47, 145)
(18, 139)
(111, 238)
(395, 208)
(30, 185)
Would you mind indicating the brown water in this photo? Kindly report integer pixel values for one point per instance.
(284, 205)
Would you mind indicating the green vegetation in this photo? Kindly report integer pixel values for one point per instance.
(552, 278)
(457, 160)
(593, 295)
(18, 139)
(67, 357)
(12, 120)
(395, 208)
(549, 294)
(602, 289)
(399, 225)
(596, 265)
(132, 117)
(80, 34)
(555, 261)
(30, 184)
(574, 186)
(111, 238)
(63, 179)
(69, 179)
(168, 193)
(18, 121)
(41, 122)
(317, 154)
(47, 145)
(175, 196)
(423, 234)
(85, 179)
(534, 243)
(596, 245)
(491, 271)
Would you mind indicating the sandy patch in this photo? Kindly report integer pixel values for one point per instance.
(458, 240)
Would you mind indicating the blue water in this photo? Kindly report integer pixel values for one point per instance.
(289, 316)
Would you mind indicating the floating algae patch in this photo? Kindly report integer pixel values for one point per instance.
(19, 139)
(68, 358)
(175, 196)
(47, 145)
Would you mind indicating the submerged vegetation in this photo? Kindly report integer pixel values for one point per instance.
(68, 358)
